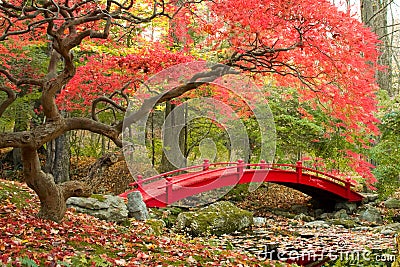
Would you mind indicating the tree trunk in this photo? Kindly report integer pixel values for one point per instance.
(58, 156)
(52, 196)
(58, 150)
(374, 15)
(173, 129)
(20, 124)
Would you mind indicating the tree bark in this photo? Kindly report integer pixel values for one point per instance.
(57, 161)
(52, 196)
(173, 130)
(374, 15)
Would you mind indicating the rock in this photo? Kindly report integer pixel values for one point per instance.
(95, 202)
(156, 226)
(318, 213)
(299, 209)
(341, 214)
(217, 219)
(369, 197)
(371, 214)
(105, 207)
(388, 232)
(304, 218)
(259, 221)
(325, 216)
(396, 218)
(362, 228)
(388, 229)
(345, 222)
(136, 207)
(317, 224)
(392, 203)
(349, 207)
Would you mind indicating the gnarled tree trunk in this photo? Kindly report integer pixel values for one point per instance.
(52, 196)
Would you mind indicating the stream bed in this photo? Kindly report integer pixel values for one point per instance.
(313, 244)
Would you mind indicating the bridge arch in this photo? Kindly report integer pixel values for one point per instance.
(164, 189)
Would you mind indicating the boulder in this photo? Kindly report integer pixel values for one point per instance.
(105, 207)
(349, 207)
(298, 209)
(341, 214)
(348, 223)
(136, 207)
(369, 197)
(371, 214)
(318, 213)
(392, 203)
(217, 219)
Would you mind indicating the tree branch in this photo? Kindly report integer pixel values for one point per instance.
(196, 81)
(11, 96)
(17, 82)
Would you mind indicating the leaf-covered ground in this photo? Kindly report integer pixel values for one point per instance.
(82, 240)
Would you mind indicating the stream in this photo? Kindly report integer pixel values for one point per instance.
(313, 244)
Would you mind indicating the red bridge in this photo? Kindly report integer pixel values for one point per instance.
(166, 188)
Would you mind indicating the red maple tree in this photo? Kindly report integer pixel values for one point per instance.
(328, 55)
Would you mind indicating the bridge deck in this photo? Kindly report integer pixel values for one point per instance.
(164, 189)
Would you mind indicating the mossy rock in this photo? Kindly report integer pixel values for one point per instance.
(345, 222)
(392, 203)
(99, 197)
(217, 219)
(156, 226)
(168, 215)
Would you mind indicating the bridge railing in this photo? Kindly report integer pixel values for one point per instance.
(239, 166)
(320, 174)
(203, 167)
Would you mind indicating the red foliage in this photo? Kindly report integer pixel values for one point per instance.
(332, 53)
(103, 74)
(326, 54)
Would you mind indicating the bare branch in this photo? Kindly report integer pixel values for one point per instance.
(109, 100)
(105, 100)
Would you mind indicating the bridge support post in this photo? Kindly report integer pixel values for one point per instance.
(348, 184)
(139, 183)
(206, 165)
(262, 166)
(299, 171)
(240, 167)
(168, 190)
